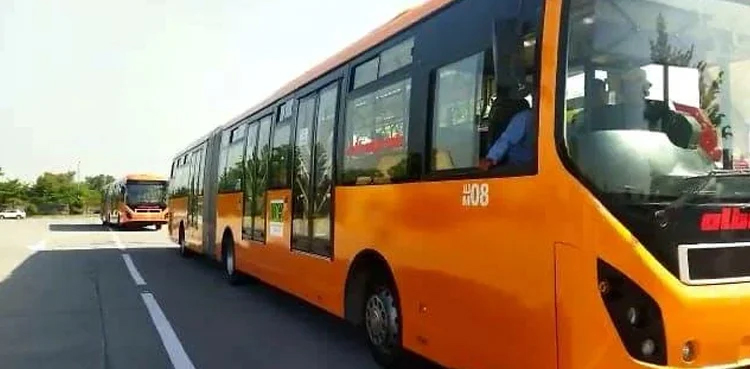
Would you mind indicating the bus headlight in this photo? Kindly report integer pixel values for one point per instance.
(648, 347)
(634, 313)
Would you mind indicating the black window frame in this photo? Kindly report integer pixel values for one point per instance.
(503, 171)
(314, 92)
(256, 121)
(377, 53)
(232, 141)
(350, 93)
(291, 121)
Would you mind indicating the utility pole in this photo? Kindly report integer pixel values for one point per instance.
(78, 185)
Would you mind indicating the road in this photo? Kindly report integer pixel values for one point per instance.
(74, 294)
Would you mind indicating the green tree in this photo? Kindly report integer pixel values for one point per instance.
(13, 194)
(53, 193)
(56, 193)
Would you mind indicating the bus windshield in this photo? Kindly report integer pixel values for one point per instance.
(146, 192)
(657, 93)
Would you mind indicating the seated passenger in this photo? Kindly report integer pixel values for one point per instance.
(514, 145)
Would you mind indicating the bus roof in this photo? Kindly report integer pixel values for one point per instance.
(144, 177)
(400, 22)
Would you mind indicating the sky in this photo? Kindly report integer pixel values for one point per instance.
(121, 86)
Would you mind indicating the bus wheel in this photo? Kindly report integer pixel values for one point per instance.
(158, 227)
(230, 269)
(181, 240)
(382, 318)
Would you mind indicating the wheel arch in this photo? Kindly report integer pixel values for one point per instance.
(367, 263)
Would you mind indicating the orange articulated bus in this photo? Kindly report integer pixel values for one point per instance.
(403, 185)
(136, 201)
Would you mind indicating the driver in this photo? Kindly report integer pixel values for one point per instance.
(514, 145)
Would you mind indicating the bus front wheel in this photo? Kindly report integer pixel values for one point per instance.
(382, 322)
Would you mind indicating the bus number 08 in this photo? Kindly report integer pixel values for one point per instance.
(476, 195)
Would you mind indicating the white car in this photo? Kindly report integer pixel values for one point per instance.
(12, 214)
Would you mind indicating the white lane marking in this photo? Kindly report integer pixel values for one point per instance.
(133, 271)
(176, 352)
(116, 239)
(39, 246)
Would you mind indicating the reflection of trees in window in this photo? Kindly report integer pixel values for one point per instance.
(260, 167)
(302, 159)
(279, 161)
(323, 170)
(251, 170)
(223, 156)
(662, 52)
(179, 185)
(231, 180)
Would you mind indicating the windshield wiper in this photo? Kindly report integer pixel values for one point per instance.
(662, 215)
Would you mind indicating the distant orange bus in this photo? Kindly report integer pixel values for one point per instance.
(136, 201)
(406, 186)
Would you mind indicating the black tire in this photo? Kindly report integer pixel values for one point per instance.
(19, 217)
(229, 262)
(184, 252)
(381, 318)
(158, 227)
(2, 217)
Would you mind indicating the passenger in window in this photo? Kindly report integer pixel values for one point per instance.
(513, 146)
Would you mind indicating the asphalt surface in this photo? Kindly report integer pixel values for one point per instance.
(74, 294)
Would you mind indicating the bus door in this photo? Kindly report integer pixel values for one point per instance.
(312, 178)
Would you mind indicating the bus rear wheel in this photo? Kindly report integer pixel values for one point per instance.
(382, 322)
(181, 240)
(230, 268)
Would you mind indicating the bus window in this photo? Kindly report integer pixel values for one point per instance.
(260, 158)
(472, 123)
(323, 172)
(388, 61)
(376, 123)
(250, 179)
(201, 169)
(311, 209)
(302, 160)
(223, 156)
(280, 152)
(232, 177)
(396, 57)
(458, 90)
(366, 72)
